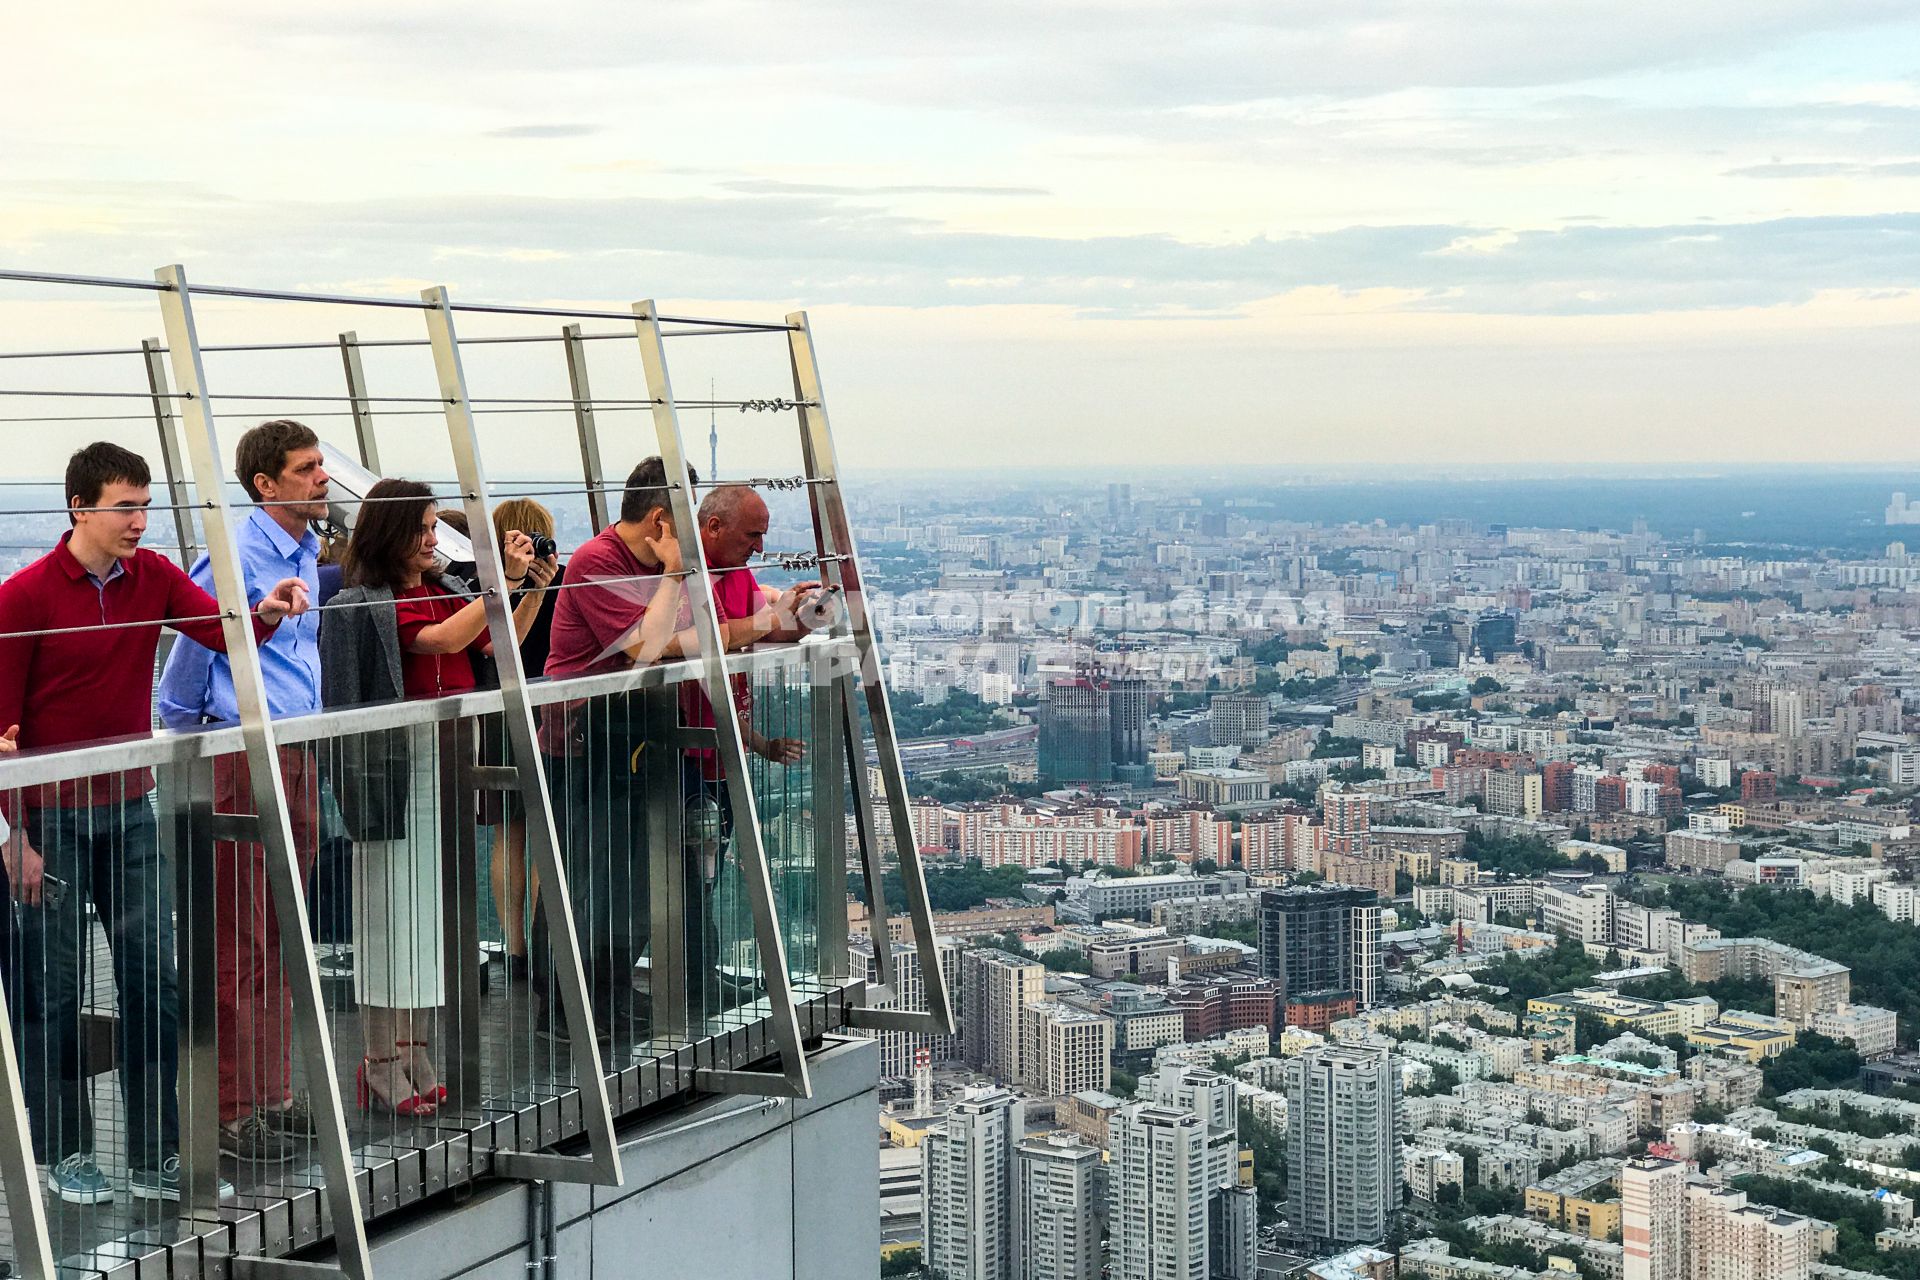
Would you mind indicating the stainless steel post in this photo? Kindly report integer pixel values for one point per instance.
(666, 846)
(749, 842)
(287, 885)
(460, 894)
(602, 1166)
(835, 536)
(186, 840)
(826, 759)
(19, 1174)
(590, 468)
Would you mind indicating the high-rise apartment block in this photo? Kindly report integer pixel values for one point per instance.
(1556, 786)
(1343, 1145)
(1348, 813)
(1321, 938)
(967, 1170)
(1232, 1223)
(995, 988)
(1514, 793)
(1653, 1196)
(1239, 720)
(1156, 1194)
(897, 1048)
(1056, 1223)
(1729, 1239)
(1067, 1049)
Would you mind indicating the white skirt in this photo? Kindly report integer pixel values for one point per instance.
(397, 931)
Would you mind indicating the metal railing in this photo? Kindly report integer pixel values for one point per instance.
(679, 926)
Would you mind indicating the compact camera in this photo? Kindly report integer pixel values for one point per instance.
(543, 546)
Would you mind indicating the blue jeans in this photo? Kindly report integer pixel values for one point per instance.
(108, 854)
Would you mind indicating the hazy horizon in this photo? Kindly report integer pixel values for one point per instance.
(1456, 234)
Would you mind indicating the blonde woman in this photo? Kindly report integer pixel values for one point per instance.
(514, 885)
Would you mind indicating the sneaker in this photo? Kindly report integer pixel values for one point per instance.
(164, 1183)
(78, 1180)
(295, 1120)
(255, 1140)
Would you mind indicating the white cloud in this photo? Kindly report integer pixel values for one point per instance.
(1107, 182)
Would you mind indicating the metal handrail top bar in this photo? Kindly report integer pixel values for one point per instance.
(229, 348)
(745, 662)
(403, 304)
(119, 755)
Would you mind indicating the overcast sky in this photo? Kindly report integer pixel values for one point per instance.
(1431, 231)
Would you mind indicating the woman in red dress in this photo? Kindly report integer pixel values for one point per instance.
(440, 626)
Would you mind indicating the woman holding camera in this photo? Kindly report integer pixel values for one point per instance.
(403, 631)
(513, 886)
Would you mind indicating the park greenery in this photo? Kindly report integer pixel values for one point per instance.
(1269, 1147)
(904, 1263)
(1883, 954)
(1563, 967)
(1443, 1080)
(954, 888)
(1754, 995)
(1524, 856)
(952, 786)
(960, 713)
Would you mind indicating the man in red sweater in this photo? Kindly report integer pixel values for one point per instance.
(78, 631)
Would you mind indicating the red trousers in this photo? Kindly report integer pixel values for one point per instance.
(254, 1005)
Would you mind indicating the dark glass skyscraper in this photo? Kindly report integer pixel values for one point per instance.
(1316, 939)
(1091, 725)
(1495, 633)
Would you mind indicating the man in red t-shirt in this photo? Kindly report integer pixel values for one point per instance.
(625, 603)
(79, 628)
(733, 529)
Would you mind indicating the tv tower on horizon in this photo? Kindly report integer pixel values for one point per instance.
(713, 435)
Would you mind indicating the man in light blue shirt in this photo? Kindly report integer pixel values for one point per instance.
(279, 465)
(196, 686)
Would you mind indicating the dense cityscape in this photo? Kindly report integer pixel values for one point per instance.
(1097, 641)
(1454, 899)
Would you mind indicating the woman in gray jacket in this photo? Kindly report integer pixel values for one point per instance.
(402, 631)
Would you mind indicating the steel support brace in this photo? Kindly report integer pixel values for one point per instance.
(749, 842)
(153, 354)
(762, 1084)
(873, 870)
(834, 535)
(602, 1168)
(285, 881)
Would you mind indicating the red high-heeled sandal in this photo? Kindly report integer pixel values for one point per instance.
(407, 1108)
(439, 1093)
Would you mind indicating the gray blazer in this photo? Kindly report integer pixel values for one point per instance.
(360, 664)
(360, 649)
